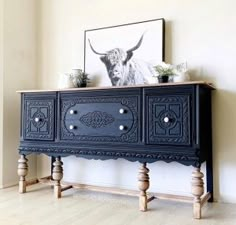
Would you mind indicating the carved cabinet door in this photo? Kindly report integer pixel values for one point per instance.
(99, 119)
(168, 117)
(39, 118)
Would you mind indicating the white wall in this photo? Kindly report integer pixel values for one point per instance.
(18, 51)
(1, 85)
(201, 32)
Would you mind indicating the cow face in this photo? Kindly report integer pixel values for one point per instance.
(115, 62)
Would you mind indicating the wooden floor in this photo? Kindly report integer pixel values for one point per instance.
(38, 207)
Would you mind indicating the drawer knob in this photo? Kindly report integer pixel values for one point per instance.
(122, 111)
(72, 112)
(166, 119)
(72, 127)
(122, 127)
(36, 119)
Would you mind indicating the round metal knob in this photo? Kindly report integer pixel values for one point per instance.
(36, 119)
(72, 111)
(166, 119)
(122, 111)
(72, 127)
(122, 127)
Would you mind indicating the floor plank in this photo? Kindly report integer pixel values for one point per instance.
(79, 207)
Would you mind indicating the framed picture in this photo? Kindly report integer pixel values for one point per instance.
(124, 54)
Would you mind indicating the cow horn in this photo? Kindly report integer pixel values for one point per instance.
(136, 46)
(94, 49)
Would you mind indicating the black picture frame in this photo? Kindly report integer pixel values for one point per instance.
(148, 36)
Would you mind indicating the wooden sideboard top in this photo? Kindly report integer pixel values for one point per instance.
(207, 84)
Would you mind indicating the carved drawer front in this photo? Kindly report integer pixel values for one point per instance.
(38, 119)
(100, 119)
(168, 120)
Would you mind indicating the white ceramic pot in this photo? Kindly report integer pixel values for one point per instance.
(181, 77)
(66, 81)
(76, 72)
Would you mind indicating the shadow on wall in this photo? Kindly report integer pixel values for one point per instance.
(95, 81)
(168, 41)
(224, 142)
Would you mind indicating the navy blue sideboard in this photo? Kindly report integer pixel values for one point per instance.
(170, 122)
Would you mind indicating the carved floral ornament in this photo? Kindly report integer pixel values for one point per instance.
(97, 119)
(41, 119)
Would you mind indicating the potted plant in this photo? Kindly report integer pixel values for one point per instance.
(80, 78)
(164, 71)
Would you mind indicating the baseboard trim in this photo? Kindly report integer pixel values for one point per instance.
(8, 185)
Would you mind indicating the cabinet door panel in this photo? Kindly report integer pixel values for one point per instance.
(39, 116)
(168, 119)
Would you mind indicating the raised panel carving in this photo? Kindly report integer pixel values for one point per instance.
(169, 120)
(98, 119)
(39, 119)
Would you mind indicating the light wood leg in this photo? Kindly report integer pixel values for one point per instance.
(22, 172)
(57, 174)
(197, 191)
(143, 185)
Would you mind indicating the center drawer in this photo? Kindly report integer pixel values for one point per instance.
(99, 118)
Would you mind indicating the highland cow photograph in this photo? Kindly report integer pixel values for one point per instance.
(124, 55)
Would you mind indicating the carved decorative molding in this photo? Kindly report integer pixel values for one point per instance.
(43, 110)
(97, 119)
(183, 158)
(177, 110)
(41, 119)
(130, 136)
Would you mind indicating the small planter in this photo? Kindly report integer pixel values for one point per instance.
(83, 84)
(163, 79)
(82, 80)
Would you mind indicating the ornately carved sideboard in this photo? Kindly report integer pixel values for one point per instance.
(170, 122)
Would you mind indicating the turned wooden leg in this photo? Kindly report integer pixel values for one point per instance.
(57, 174)
(143, 185)
(22, 172)
(197, 191)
